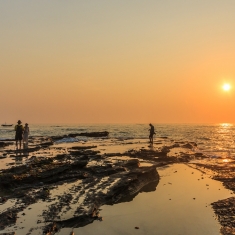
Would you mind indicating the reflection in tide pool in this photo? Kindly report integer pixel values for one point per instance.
(179, 205)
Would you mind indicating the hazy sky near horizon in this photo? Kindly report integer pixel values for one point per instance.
(117, 61)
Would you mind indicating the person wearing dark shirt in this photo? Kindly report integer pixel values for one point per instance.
(151, 133)
(19, 129)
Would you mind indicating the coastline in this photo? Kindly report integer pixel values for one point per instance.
(101, 173)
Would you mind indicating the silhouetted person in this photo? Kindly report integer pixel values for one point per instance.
(151, 133)
(26, 135)
(19, 133)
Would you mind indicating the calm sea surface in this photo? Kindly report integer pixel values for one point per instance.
(217, 139)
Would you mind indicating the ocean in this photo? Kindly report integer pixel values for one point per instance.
(212, 139)
(171, 208)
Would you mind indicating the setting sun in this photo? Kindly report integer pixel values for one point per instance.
(226, 87)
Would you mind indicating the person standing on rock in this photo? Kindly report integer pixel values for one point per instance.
(151, 133)
(26, 134)
(19, 129)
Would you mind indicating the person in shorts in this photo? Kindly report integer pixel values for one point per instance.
(151, 133)
(19, 129)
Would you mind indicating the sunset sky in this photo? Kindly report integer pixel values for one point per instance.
(117, 61)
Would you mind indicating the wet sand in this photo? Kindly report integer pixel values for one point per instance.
(116, 173)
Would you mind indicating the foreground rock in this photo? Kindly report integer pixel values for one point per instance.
(224, 209)
(33, 182)
(77, 180)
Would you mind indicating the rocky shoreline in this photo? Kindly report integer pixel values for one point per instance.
(224, 209)
(92, 178)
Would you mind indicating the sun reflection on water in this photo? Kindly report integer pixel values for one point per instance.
(226, 160)
(225, 128)
(226, 125)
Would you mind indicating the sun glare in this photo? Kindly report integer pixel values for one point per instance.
(226, 87)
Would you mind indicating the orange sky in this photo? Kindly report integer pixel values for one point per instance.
(117, 61)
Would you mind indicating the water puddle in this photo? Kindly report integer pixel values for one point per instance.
(179, 205)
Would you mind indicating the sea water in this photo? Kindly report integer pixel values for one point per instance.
(180, 204)
(212, 139)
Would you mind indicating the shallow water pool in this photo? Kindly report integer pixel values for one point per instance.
(180, 205)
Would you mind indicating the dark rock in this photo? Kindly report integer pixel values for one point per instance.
(131, 163)
(175, 145)
(46, 144)
(200, 155)
(84, 147)
(12, 233)
(55, 138)
(132, 183)
(163, 151)
(4, 144)
(32, 149)
(188, 146)
(90, 134)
